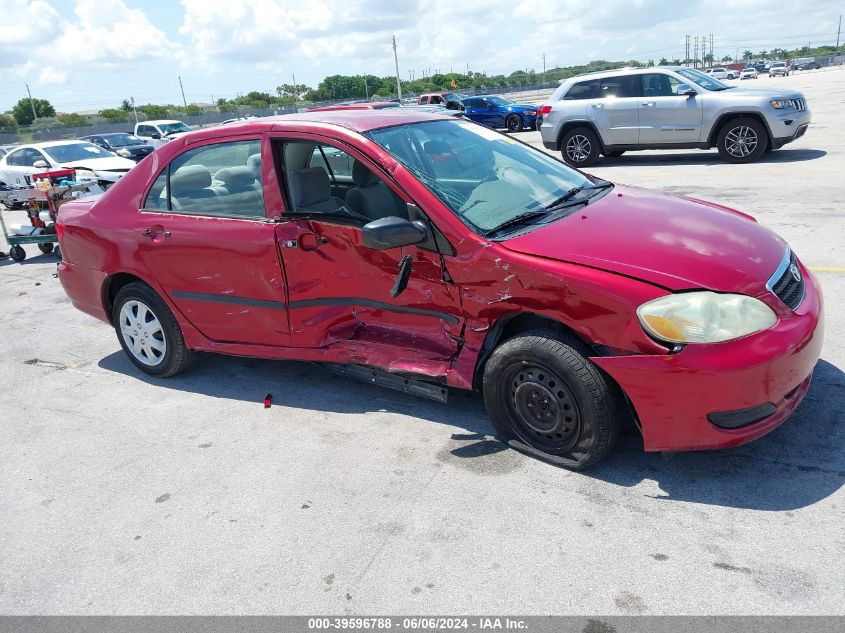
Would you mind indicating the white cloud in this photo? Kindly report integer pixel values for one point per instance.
(50, 76)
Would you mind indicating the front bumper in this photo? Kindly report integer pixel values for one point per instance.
(788, 126)
(674, 396)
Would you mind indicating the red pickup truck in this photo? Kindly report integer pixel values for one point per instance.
(451, 100)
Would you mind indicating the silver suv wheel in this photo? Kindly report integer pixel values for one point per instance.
(578, 148)
(741, 141)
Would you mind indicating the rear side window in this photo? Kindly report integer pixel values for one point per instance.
(583, 90)
(218, 179)
(619, 87)
(17, 157)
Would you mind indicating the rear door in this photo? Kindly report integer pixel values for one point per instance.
(666, 115)
(205, 235)
(339, 290)
(615, 110)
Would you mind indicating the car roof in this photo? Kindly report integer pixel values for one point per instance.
(355, 120)
(626, 70)
(158, 121)
(75, 141)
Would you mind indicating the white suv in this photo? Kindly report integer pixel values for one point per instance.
(615, 111)
(157, 133)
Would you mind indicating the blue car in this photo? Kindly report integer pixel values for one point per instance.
(498, 112)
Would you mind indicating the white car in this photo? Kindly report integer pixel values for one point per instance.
(721, 73)
(91, 162)
(748, 73)
(157, 133)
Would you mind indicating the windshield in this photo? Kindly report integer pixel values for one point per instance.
(451, 96)
(122, 140)
(170, 128)
(701, 79)
(483, 177)
(76, 151)
(500, 101)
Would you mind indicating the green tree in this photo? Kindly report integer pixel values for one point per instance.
(746, 55)
(663, 62)
(727, 58)
(154, 111)
(708, 58)
(292, 91)
(113, 115)
(8, 124)
(126, 105)
(764, 54)
(193, 110)
(72, 120)
(23, 110)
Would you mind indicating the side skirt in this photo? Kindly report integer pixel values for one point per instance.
(421, 388)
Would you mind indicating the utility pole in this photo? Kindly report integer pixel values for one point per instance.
(695, 53)
(712, 60)
(132, 101)
(686, 55)
(184, 101)
(32, 104)
(396, 61)
(295, 91)
(544, 68)
(366, 88)
(838, 31)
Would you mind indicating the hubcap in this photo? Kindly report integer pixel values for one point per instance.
(578, 148)
(741, 141)
(142, 332)
(544, 408)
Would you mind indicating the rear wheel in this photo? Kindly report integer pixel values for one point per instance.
(17, 253)
(513, 123)
(148, 331)
(46, 247)
(580, 147)
(546, 399)
(742, 140)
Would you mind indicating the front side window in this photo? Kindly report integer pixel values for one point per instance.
(500, 101)
(483, 177)
(702, 80)
(660, 85)
(216, 179)
(583, 90)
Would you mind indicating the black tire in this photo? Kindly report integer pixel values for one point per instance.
(514, 123)
(742, 140)
(546, 399)
(17, 253)
(57, 252)
(615, 154)
(177, 357)
(580, 147)
(45, 247)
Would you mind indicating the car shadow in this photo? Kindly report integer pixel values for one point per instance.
(795, 466)
(692, 157)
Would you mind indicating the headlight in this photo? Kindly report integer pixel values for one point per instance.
(124, 152)
(704, 317)
(780, 104)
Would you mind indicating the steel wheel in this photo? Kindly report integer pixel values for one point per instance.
(578, 148)
(142, 332)
(544, 411)
(741, 141)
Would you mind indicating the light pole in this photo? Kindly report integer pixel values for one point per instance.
(396, 60)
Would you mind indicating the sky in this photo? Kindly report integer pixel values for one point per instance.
(91, 54)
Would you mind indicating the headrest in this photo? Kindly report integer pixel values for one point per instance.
(189, 179)
(361, 175)
(308, 186)
(236, 177)
(254, 163)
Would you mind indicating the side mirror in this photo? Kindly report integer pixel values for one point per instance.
(155, 135)
(489, 106)
(686, 90)
(393, 232)
(40, 164)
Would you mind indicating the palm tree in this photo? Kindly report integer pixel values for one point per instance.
(727, 58)
(663, 62)
(746, 55)
(676, 62)
(764, 54)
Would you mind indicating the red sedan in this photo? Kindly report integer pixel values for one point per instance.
(445, 254)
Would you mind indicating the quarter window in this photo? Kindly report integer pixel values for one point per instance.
(216, 179)
(622, 86)
(583, 90)
(17, 158)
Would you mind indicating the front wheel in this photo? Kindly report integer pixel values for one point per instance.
(742, 140)
(46, 247)
(17, 253)
(546, 399)
(148, 331)
(513, 123)
(580, 147)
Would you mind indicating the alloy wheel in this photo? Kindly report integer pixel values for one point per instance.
(741, 141)
(578, 148)
(142, 332)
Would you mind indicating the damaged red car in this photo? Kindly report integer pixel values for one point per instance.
(439, 253)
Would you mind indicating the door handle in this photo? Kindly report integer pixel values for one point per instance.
(153, 232)
(598, 106)
(311, 241)
(648, 104)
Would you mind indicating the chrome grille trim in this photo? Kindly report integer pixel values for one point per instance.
(783, 285)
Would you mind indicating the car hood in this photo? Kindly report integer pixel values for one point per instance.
(761, 92)
(116, 163)
(678, 243)
(521, 108)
